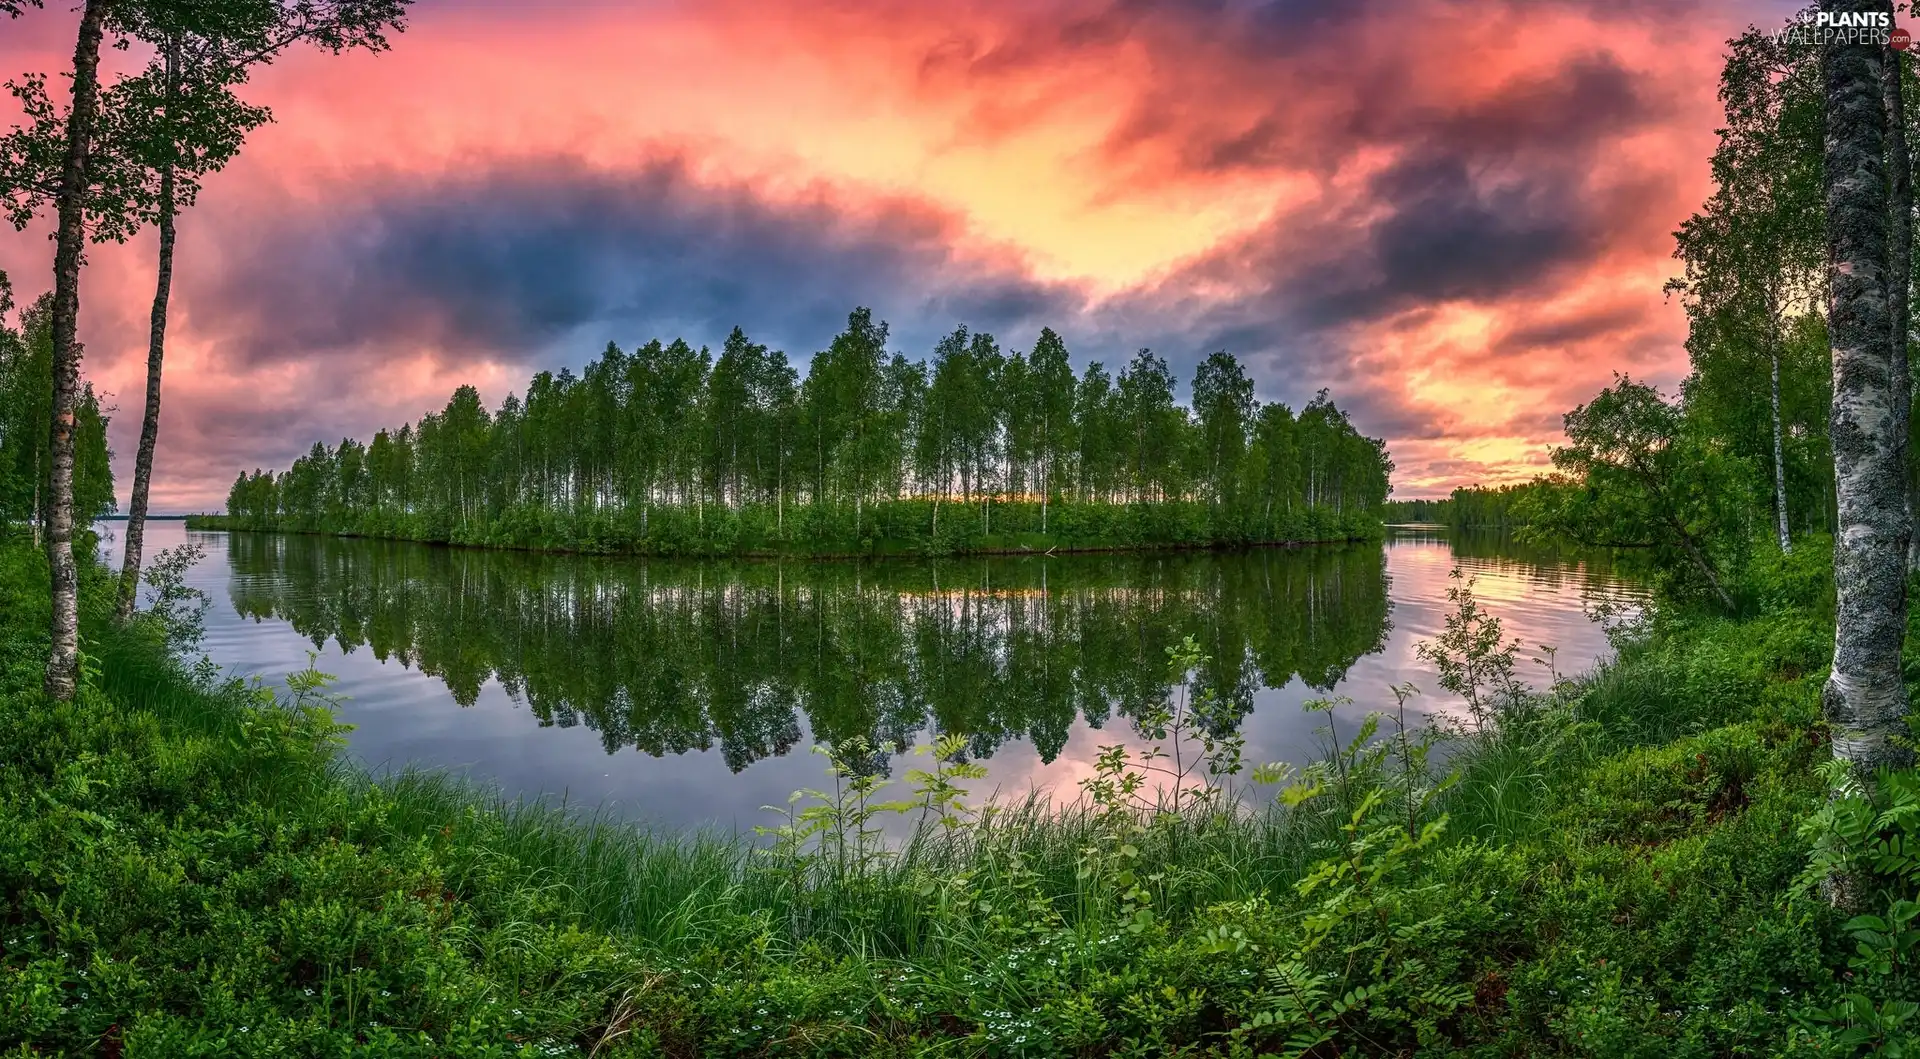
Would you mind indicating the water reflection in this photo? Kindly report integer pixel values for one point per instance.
(748, 657)
(686, 694)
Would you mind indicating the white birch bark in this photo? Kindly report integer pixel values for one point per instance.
(1864, 699)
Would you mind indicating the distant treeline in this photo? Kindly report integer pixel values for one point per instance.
(1474, 507)
(666, 450)
(26, 422)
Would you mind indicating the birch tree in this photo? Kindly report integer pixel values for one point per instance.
(63, 653)
(1053, 387)
(1864, 699)
(1223, 405)
(186, 122)
(1753, 253)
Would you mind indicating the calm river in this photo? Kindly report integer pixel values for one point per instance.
(688, 694)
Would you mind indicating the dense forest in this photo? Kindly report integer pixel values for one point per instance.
(26, 416)
(669, 450)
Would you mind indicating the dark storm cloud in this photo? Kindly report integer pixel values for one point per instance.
(1449, 234)
(1572, 330)
(1484, 201)
(505, 263)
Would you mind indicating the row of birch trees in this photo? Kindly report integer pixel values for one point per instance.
(669, 426)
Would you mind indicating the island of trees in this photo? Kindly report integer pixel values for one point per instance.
(667, 449)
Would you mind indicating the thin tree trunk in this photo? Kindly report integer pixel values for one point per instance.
(1864, 699)
(63, 655)
(1899, 265)
(39, 515)
(1700, 561)
(1779, 458)
(150, 422)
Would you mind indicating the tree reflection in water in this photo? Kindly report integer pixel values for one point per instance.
(755, 657)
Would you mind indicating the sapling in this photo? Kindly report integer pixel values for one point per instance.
(1473, 659)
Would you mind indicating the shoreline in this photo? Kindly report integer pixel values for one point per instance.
(199, 523)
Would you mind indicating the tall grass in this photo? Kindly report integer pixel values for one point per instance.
(675, 893)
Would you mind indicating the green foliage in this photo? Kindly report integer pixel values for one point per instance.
(1472, 659)
(938, 793)
(1190, 729)
(665, 451)
(1639, 475)
(26, 423)
(1866, 842)
(214, 891)
(176, 608)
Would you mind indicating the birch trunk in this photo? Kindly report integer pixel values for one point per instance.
(1864, 699)
(1779, 457)
(150, 421)
(1046, 492)
(63, 655)
(1899, 264)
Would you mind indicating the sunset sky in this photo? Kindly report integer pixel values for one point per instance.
(1455, 216)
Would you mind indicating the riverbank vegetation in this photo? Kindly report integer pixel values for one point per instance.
(1618, 865)
(666, 450)
(1474, 507)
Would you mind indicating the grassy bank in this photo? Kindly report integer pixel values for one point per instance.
(888, 527)
(189, 869)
